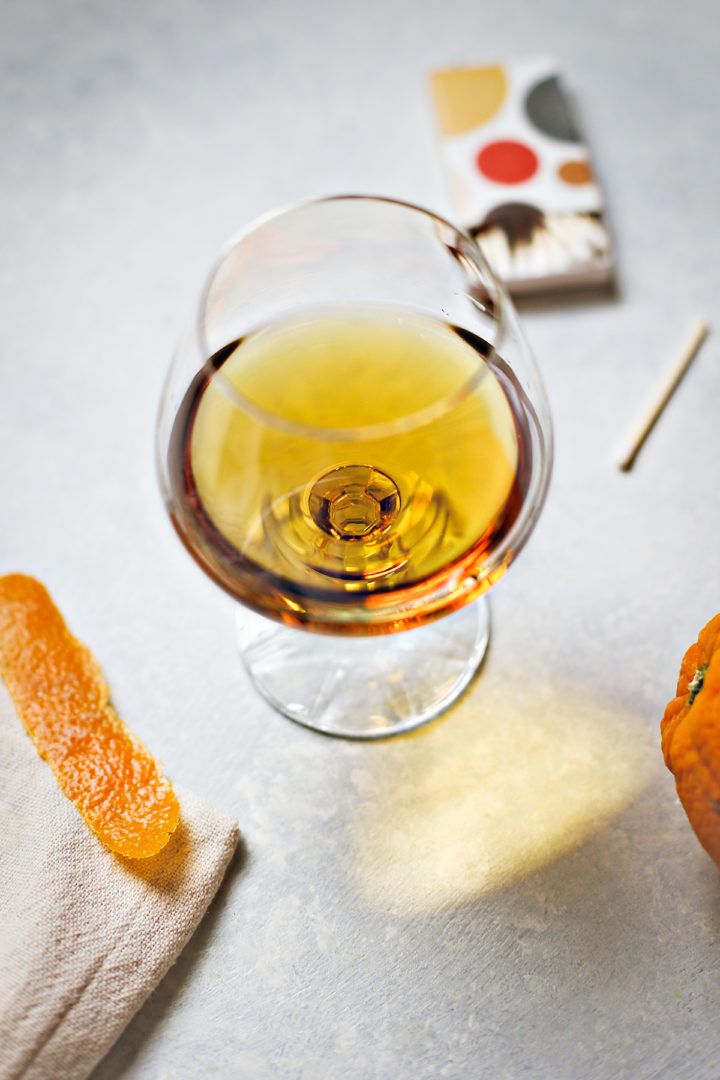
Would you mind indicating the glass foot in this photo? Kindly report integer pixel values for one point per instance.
(364, 688)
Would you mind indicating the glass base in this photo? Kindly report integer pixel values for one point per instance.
(368, 687)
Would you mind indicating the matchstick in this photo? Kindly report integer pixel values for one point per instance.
(699, 332)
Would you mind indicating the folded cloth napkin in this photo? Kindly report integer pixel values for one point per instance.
(85, 934)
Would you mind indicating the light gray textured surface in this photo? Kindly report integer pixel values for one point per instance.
(515, 892)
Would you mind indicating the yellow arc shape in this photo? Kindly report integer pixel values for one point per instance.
(465, 98)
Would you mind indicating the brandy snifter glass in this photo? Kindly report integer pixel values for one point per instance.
(354, 442)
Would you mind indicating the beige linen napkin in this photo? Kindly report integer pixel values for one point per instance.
(85, 935)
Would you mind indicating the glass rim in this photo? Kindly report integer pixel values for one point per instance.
(361, 433)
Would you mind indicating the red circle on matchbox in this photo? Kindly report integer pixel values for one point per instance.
(507, 162)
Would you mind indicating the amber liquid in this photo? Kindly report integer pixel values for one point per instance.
(350, 468)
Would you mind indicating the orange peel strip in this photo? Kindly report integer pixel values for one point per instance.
(62, 699)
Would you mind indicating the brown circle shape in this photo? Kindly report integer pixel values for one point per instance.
(575, 172)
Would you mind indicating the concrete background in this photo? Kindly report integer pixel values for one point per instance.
(515, 892)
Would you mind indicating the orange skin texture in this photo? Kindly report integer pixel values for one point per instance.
(690, 732)
(62, 699)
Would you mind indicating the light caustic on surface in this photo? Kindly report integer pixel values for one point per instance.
(516, 778)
